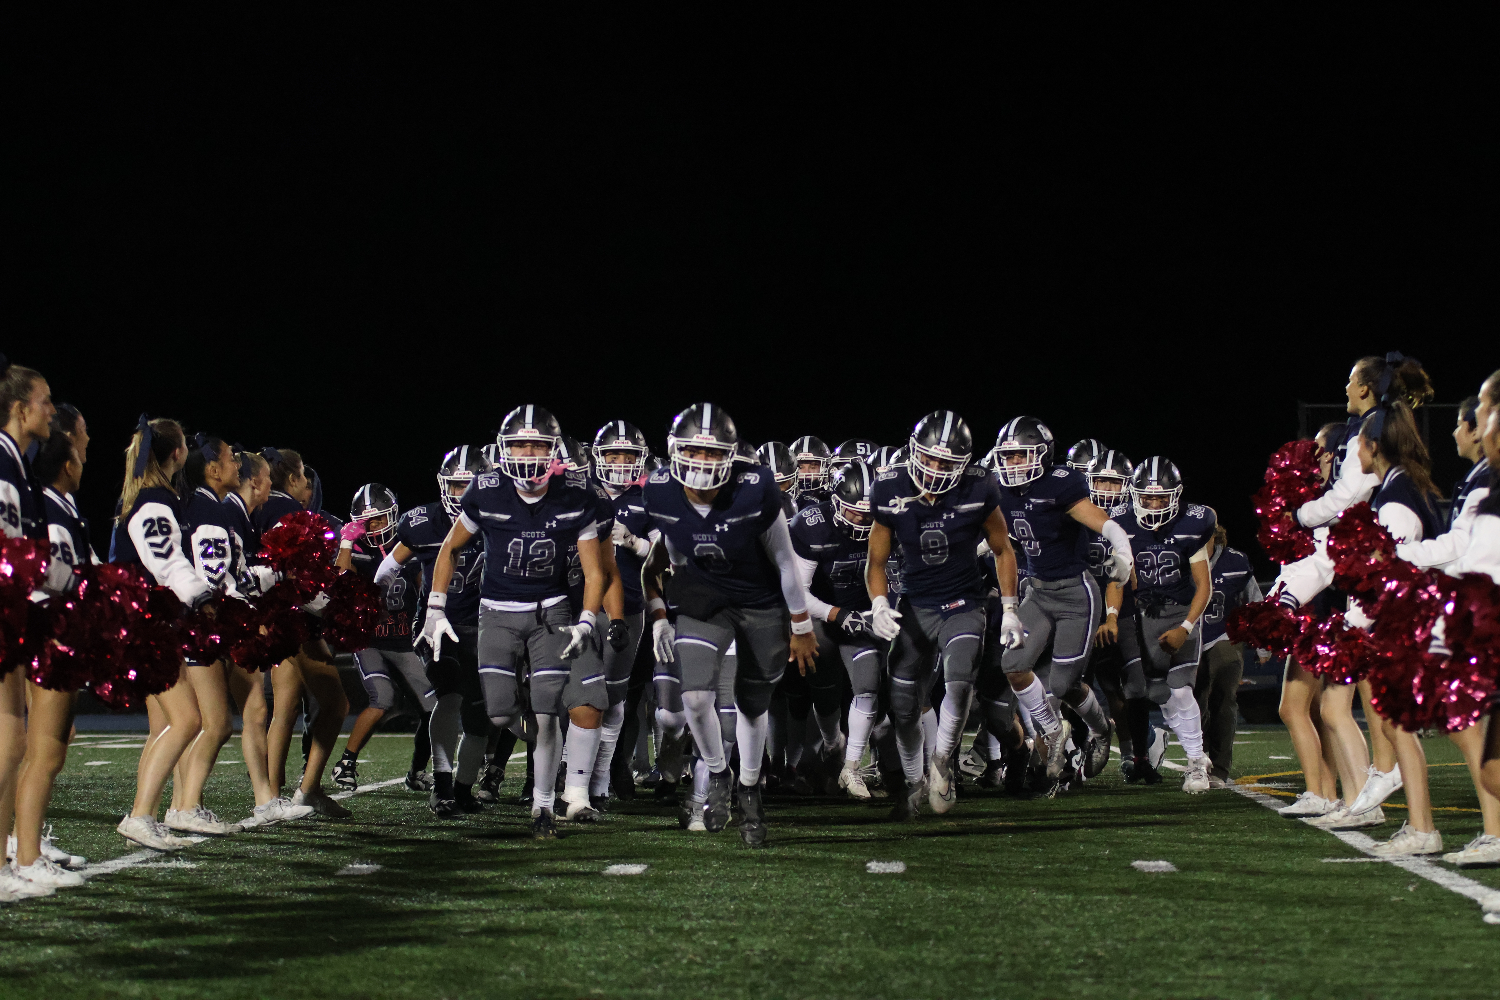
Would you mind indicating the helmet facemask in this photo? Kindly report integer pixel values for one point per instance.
(1028, 470)
(1152, 518)
(452, 503)
(1107, 500)
(932, 479)
(615, 472)
(384, 535)
(532, 469)
(857, 531)
(700, 473)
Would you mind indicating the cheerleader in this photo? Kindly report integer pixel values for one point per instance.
(27, 400)
(212, 472)
(311, 667)
(149, 532)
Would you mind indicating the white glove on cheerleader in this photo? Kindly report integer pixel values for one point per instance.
(883, 620)
(663, 637)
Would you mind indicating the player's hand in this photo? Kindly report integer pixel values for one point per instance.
(578, 638)
(854, 622)
(1012, 635)
(884, 620)
(1118, 567)
(352, 532)
(804, 650)
(1263, 655)
(618, 634)
(663, 637)
(1109, 633)
(1172, 639)
(434, 627)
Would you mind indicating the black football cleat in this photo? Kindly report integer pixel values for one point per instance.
(716, 809)
(543, 826)
(346, 772)
(467, 801)
(488, 789)
(752, 816)
(442, 808)
(419, 781)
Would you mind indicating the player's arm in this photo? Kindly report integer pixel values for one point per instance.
(595, 576)
(614, 587)
(652, 567)
(998, 533)
(1109, 629)
(1203, 591)
(777, 541)
(879, 554)
(1120, 564)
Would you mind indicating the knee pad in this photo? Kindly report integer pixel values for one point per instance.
(614, 716)
(671, 721)
(499, 687)
(999, 715)
(957, 692)
(906, 701)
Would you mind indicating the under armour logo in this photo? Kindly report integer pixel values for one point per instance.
(552, 523)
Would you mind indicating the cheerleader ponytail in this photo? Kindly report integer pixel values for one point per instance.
(1395, 377)
(150, 451)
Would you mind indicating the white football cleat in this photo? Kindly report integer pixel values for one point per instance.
(147, 832)
(1482, 850)
(1158, 748)
(940, 791)
(199, 820)
(1408, 841)
(44, 872)
(851, 781)
(1378, 787)
(1308, 804)
(1196, 780)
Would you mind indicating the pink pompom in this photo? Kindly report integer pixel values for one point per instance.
(1292, 479)
(354, 611)
(301, 548)
(23, 567)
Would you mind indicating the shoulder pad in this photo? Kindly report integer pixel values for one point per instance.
(748, 477)
(976, 470)
(1061, 473)
(661, 476)
(888, 474)
(487, 481)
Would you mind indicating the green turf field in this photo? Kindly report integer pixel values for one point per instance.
(1003, 898)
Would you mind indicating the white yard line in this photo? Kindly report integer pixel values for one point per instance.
(1420, 867)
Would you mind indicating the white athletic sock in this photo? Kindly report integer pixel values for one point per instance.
(703, 720)
(700, 780)
(609, 736)
(442, 729)
(909, 747)
(955, 711)
(1034, 700)
(1093, 714)
(751, 735)
(1181, 713)
(544, 761)
(929, 723)
(828, 728)
(583, 748)
(992, 747)
(470, 759)
(861, 720)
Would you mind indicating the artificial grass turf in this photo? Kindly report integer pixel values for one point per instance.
(1000, 898)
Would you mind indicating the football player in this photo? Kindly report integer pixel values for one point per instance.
(936, 509)
(854, 448)
(529, 525)
(1162, 645)
(734, 580)
(831, 540)
(1083, 453)
(388, 664)
(778, 458)
(1050, 513)
(1108, 474)
(813, 458)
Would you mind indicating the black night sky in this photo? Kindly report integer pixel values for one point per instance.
(368, 243)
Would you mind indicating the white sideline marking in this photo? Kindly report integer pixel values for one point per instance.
(885, 867)
(359, 869)
(1351, 861)
(367, 788)
(178, 863)
(626, 869)
(1275, 757)
(1420, 867)
(1153, 866)
(96, 763)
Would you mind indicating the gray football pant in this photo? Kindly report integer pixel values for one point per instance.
(1150, 671)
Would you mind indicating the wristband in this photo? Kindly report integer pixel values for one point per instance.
(1188, 626)
(346, 544)
(437, 600)
(1112, 612)
(1009, 603)
(803, 627)
(588, 618)
(655, 604)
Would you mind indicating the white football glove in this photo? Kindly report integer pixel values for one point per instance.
(663, 636)
(578, 636)
(1012, 635)
(259, 579)
(317, 604)
(434, 627)
(621, 536)
(883, 620)
(1118, 566)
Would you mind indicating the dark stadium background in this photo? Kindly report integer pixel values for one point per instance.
(369, 247)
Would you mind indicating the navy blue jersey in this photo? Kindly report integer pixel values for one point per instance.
(243, 534)
(1052, 545)
(1398, 488)
(22, 512)
(788, 505)
(422, 530)
(270, 513)
(526, 545)
(1232, 576)
(840, 577)
(938, 541)
(403, 598)
(604, 517)
(166, 537)
(1096, 550)
(1162, 557)
(67, 530)
(630, 510)
(718, 559)
(808, 498)
(1478, 477)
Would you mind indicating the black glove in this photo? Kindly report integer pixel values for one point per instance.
(618, 634)
(852, 622)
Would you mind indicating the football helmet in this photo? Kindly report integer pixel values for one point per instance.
(939, 450)
(571, 454)
(1109, 466)
(491, 453)
(810, 449)
(620, 436)
(778, 458)
(524, 425)
(459, 468)
(885, 457)
(1029, 438)
(370, 501)
(1082, 453)
(1155, 477)
(703, 427)
(852, 484)
(852, 449)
